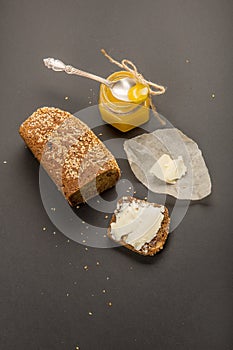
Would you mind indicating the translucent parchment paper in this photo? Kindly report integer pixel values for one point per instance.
(144, 150)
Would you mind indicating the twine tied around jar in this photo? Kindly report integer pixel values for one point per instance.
(153, 88)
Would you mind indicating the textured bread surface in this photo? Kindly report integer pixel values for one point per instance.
(157, 243)
(73, 156)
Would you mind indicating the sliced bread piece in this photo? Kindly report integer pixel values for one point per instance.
(140, 226)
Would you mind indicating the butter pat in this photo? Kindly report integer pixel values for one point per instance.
(168, 169)
(137, 224)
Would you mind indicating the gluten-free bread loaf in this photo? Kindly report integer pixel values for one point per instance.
(73, 156)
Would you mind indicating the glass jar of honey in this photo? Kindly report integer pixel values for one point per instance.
(120, 114)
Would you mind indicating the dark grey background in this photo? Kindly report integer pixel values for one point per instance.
(180, 299)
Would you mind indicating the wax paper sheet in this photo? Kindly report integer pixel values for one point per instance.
(144, 150)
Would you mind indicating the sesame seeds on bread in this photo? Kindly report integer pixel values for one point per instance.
(73, 156)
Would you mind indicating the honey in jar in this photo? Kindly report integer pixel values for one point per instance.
(120, 114)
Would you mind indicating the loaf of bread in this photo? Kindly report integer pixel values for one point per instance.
(140, 226)
(73, 156)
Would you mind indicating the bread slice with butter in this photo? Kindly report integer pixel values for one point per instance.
(140, 226)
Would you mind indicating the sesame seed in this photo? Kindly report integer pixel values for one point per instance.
(54, 232)
(86, 248)
(68, 241)
(109, 303)
(97, 263)
(44, 228)
(104, 291)
(4, 162)
(187, 60)
(108, 278)
(84, 241)
(77, 348)
(85, 267)
(66, 98)
(90, 313)
(213, 95)
(67, 294)
(100, 134)
(106, 216)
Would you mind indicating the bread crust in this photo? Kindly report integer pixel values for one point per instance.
(157, 243)
(73, 156)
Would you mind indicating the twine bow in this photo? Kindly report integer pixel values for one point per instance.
(154, 89)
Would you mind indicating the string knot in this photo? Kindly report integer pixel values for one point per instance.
(154, 89)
